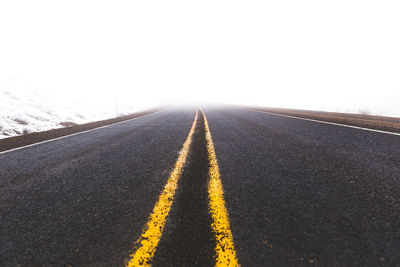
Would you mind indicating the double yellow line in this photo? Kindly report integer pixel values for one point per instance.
(225, 249)
(147, 243)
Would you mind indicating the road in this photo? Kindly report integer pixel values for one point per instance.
(294, 193)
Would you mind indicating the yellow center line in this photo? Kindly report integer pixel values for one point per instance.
(225, 249)
(147, 243)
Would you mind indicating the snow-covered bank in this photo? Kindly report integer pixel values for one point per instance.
(379, 105)
(24, 111)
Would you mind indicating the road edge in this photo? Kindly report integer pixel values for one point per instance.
(336, 121)
(31, 139)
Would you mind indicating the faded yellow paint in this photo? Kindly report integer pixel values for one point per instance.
(147, 243)
(225, 248)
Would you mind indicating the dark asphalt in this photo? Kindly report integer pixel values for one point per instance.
(301, 192)
(298, 193)
(85, 199)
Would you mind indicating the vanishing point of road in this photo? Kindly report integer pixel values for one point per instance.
(218, 186)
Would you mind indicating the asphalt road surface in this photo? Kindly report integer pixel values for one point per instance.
(295, 193)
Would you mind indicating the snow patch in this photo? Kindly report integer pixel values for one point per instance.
(23, 111)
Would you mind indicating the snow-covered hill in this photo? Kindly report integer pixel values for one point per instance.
(24, 111)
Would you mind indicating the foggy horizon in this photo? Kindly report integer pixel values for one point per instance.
(340, 56)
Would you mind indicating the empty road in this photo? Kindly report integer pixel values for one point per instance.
(179, 187)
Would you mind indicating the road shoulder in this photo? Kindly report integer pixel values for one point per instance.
(38, 137)
(381, 123)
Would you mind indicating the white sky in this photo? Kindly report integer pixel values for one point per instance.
(341, 54)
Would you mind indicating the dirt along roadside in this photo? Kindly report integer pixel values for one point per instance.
(390, 124)
(32, 138)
